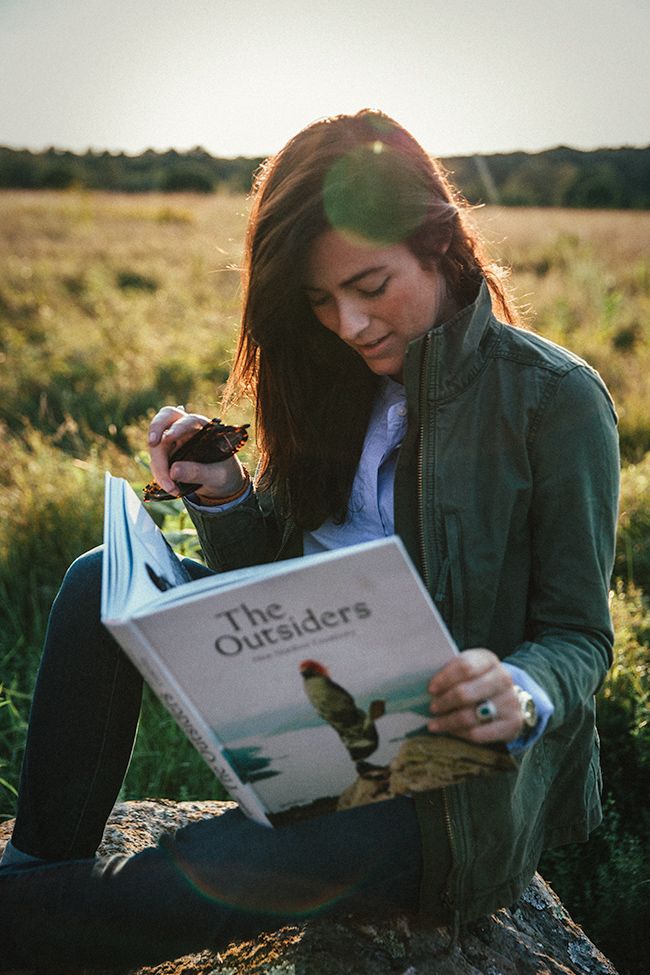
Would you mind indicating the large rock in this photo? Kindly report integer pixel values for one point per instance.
(536, 936)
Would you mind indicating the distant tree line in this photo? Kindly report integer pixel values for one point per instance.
(609, 178)
(560, 177)
(195, 171)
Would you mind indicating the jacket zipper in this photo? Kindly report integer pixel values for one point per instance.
(448, 896)
(426, 571)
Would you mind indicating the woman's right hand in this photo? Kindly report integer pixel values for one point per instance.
(173, 426)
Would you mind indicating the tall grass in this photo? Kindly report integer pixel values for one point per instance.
(606, 883)
(111, 306)
(585, 280)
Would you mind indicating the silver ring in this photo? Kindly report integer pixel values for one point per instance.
(485, 711)
(180, 407)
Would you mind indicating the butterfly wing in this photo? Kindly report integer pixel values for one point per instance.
(213, 443)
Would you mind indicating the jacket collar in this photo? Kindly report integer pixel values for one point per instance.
(454, 352)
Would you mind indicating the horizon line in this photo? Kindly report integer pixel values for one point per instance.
(95, 150)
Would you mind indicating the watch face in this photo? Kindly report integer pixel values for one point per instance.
(529, 712)
(528, 709)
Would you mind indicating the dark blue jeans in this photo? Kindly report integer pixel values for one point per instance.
(212, 882)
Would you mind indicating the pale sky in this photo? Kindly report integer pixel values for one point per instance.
(241, 77)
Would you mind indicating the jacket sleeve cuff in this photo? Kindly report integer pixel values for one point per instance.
(216, 509)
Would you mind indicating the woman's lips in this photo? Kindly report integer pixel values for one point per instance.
(371, 349)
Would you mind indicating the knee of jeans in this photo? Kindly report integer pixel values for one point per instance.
(367, 835)
(86, 570)
(82, 583)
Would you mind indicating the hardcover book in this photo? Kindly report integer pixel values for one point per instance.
(302, 683)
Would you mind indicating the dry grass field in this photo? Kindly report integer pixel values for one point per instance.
(111, 305)
(583, 279)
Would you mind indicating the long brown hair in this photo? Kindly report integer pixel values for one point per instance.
(363, 173)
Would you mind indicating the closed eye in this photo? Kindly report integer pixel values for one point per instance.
(317, 300)
(376, 292)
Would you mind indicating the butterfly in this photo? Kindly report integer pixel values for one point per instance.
(212, 443)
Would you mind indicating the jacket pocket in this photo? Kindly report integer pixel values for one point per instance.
(455, 601)
(594, 785)
(570, 766)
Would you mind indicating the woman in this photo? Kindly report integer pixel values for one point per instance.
(389, 398)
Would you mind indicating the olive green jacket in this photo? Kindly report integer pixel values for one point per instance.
(506, 496)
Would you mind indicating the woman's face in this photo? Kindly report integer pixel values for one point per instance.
(375, 299)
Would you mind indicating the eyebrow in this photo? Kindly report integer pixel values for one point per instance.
(353, 279)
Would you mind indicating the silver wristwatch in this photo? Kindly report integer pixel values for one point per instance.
(527, 709)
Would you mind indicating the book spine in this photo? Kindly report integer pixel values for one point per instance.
(186, 715)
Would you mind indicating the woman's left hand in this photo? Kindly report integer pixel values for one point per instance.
(473, 678)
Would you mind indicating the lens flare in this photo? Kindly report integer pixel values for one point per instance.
(301, 899)
(372, 192)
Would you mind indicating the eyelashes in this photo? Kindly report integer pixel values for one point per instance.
(374, 293)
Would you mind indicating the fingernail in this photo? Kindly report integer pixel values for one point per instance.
(152, 438)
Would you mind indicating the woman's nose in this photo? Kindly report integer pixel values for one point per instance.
(352, 320)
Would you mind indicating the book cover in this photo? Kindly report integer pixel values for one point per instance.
(305, 680)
